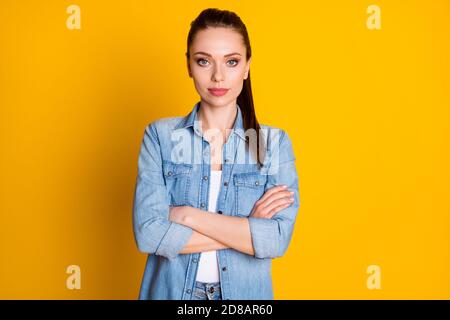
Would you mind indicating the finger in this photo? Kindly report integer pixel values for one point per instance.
(273, 197)
(278, 209)
(276, 196)
(277, 203)
(271, 191)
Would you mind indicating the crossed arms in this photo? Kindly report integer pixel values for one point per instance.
(169, 231)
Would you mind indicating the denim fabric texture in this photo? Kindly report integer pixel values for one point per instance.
(174, 170)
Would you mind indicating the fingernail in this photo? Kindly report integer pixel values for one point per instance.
(284, 186)
(291, 192)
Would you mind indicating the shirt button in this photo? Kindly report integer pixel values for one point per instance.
(169, 173)
(220, 211)
(225, 183)
(202, 205)
(226, 160)
(205, 177)
(211, 289)
(188, 291)
(224, 269)
(256, 183)
(194, 260)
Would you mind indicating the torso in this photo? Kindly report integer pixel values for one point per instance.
(216, 152)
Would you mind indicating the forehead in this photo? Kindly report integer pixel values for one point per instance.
(218, 41)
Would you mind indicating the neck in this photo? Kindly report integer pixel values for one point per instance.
(217, 117)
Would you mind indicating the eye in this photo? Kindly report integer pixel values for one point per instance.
(201, 59)
(234, 61)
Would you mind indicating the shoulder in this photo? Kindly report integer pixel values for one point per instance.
(164, 125)
(274, 132)
(279, 143)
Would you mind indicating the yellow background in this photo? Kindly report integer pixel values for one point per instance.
(368, 112)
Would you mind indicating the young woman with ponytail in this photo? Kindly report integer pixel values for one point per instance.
(212, 222)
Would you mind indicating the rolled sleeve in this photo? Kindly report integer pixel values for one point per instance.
(264, 237)
(174, 240)
(153, 231)
(271, 237)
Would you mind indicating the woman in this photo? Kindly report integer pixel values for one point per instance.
(214, 201)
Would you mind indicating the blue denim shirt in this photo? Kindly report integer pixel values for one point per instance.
(174, 170)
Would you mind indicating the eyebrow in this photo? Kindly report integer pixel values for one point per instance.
(207, 54)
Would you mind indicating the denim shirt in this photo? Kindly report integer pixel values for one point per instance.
(173, 170)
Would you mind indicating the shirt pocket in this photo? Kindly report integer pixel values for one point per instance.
(178, 180)
(249, 188)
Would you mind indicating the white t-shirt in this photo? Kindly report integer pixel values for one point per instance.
(208, 265)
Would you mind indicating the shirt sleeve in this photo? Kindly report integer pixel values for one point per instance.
(271, 237)
(154, 233)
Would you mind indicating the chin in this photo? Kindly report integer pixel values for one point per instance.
(219, 102)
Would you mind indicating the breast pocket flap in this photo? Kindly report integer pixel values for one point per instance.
(173, 170)
(250, 179)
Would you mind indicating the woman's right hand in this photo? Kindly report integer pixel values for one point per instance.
(274, 200)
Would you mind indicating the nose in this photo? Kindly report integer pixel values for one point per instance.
(217, 74)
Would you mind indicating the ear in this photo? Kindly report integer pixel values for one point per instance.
(247, 68)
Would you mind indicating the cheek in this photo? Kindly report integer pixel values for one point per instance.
(237, 74)
(201, 79)
(236, 79)
(237, 88)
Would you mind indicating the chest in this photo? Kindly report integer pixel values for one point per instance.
(190, 185)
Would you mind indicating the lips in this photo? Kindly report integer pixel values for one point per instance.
(218, 91)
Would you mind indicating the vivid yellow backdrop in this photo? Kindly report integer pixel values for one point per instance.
(368, 112)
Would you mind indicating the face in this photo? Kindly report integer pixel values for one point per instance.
(217, 60)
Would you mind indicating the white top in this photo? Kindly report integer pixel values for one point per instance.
(208, 265)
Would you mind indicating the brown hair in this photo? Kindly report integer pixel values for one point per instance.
(214, 18)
